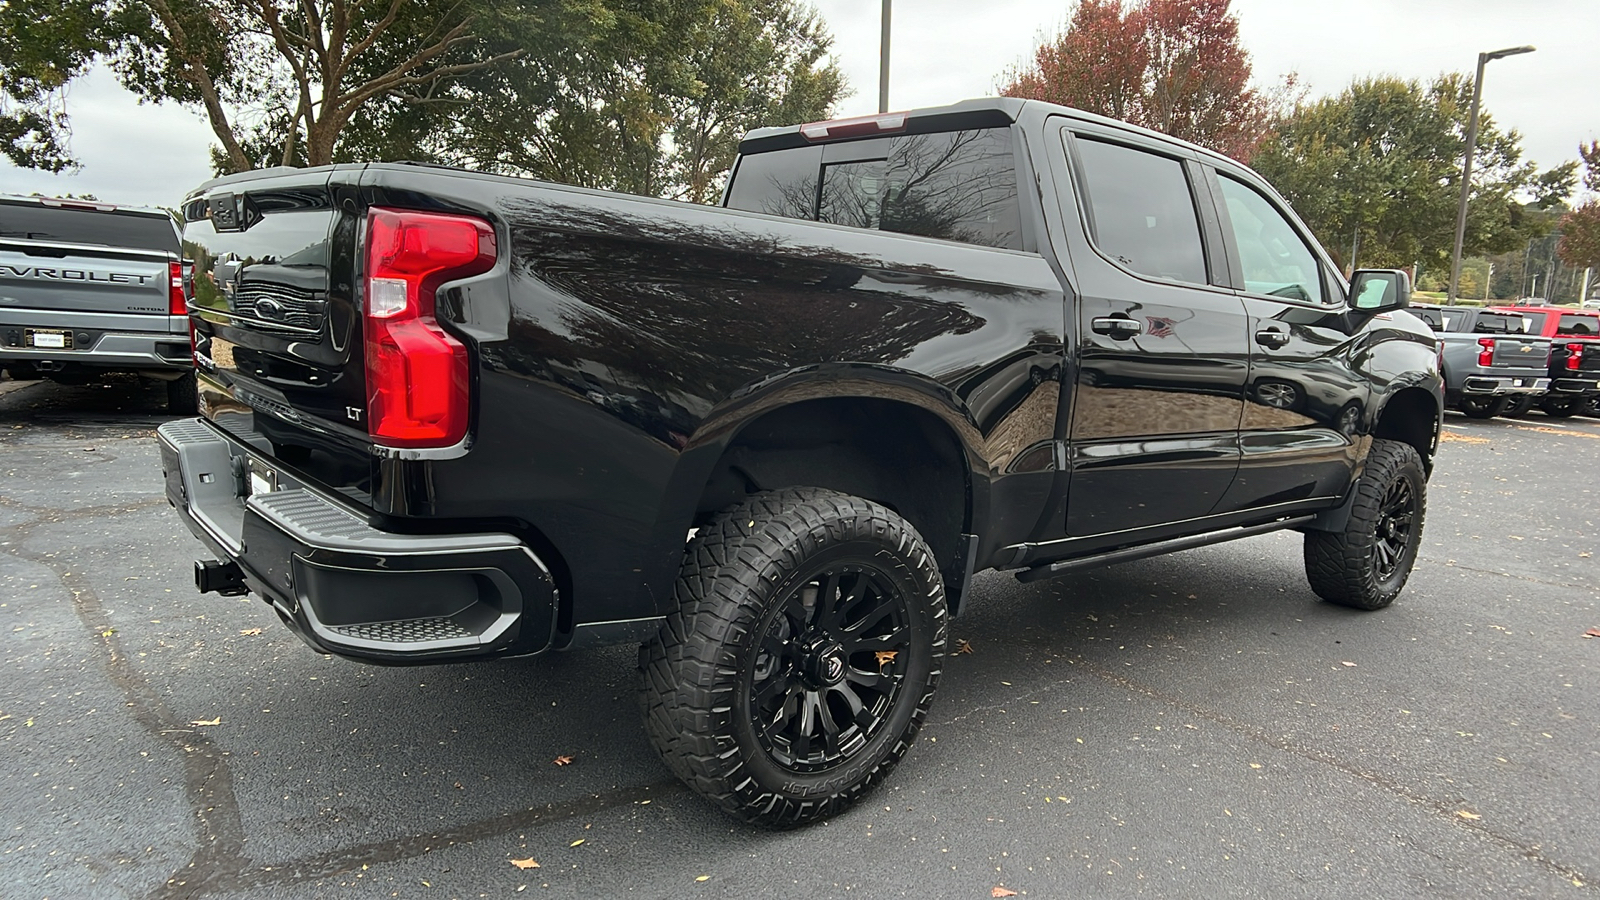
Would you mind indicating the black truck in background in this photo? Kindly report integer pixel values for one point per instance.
(449, 416)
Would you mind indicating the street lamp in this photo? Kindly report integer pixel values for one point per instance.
(883, 63)
(1466, 163)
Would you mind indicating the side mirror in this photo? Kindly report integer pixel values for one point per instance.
(1379, 290)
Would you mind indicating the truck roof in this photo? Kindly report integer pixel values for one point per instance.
(87, 205)
(982, 112)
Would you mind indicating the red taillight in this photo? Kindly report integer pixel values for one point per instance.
(1574, 356)
(177, 302)
(1486, 355)
(417, 373)
(846, 128)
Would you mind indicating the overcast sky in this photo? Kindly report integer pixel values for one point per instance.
(948, 50)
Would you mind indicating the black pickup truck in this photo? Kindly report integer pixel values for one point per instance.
(449, 416)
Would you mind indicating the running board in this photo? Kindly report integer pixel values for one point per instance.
(1128, 554)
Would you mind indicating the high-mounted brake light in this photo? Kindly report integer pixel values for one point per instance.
(857, 127)
(60, 203)
(417, 373)
(177, 301)
(1486, 355)
(1574, 356)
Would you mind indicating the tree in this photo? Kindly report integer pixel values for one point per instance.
(1376, 173)
(277, 80)
(1580, 228)
(652, 100)
(1172, 65)
(648, 96)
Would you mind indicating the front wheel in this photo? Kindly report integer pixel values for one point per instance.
(802, 657)
(1365, 564)
(1480, 407)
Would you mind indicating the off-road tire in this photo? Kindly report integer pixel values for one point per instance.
(183, 397)
(738, 585)
(1484, 407)
(1559, 407)
(1346, 567)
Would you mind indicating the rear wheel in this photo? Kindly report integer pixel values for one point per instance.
(1519, 406)
(1365, 564)
(802, 658)
(183, 398)
(1480, 407)
(1559, 407)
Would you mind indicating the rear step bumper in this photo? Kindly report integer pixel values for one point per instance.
(1582, 385)
(1504, 384)
(343, 586)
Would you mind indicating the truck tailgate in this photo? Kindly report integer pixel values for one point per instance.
(277, 340)
(35, 276)
(1520, 352)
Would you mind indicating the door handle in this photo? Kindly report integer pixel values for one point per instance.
(1118, 327)
(1272, 337)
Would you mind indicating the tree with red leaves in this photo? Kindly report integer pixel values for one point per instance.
(1580, 229)
(1175, 66)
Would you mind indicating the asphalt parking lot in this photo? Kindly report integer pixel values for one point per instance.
(1190, 726)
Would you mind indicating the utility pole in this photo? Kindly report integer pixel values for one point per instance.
(883, 63)
(1486, 280)
(1466, 163)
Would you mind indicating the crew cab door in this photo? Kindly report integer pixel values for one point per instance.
(1305, 399)
(1160, 346)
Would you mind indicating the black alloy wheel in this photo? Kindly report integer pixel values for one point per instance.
(829, 666)
(1393, 535)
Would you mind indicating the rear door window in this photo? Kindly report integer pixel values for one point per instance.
(956, 186)
(58, 225)
(1578, 326)
(1141, 210)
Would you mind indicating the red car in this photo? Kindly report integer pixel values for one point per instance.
(1574, 356)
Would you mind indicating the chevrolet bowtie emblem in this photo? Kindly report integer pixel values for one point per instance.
(1527, 348)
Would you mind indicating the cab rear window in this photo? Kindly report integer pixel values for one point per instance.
(56, 225)
(956, 186)
(1578, 325)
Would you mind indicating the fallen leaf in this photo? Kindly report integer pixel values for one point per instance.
(200, 722)
(702, 878)
(963, 647)
(1255, 765)
(250, 631)
(563, 760)
(1002, 892)
(1467, 815)
(1347, 664)
(108, 632)
(1592, 633)
(885, 657)
(525, 863)
(577, 842)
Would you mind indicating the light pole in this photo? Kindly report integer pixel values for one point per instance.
(883, 63)
(1466, 163)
